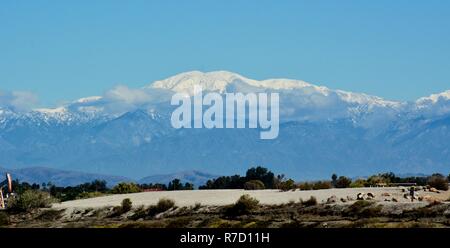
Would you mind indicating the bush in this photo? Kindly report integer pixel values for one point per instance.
(163, 205)
(244, 205)
(126, 205)
(31, 199)
(315, 185)
(363, 209)
(343, 182)
(86, 195)
(376, 180)
(287, 185)
(125, 188)
(305, 186)
(197, 206)
(358, 183)
(312, 201)
(438, 181)
(254, 185)
(321, 185)
(4, 219)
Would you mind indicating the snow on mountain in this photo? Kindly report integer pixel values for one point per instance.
(220, 80)
(223, 81)
(212, 81)
(89, 99)
(128, 132)
(434, 98)
(433, 105)
(299, 100)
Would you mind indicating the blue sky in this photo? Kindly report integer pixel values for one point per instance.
(64, 50)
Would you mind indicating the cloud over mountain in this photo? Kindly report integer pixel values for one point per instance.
(18, 100)
(127, 132)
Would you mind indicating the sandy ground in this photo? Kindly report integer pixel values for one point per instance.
(225, 197)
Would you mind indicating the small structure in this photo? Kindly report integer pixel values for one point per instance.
(7, 184)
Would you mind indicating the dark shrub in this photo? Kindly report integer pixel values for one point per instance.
(86, 195)
(4, 219)
(312, 201)
(287, 185)
(305, 186)
(31, 199)
(50, 215)
(163, 205)
(254, 185)
(364, 209)
(180, 222)
(359, 183)
(334, 178)
(322, 185)
(343, 182)
(125, 188)
(244, 205)
(197, 206)
(126, 205)
(262, 174)
(438, 181)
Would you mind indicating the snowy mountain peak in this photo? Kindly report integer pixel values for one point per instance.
(210, 81)
(52, 111)
(88, 99)
(221, 80)
(224, 81)
(434, 98)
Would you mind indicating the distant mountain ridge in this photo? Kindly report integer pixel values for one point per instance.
(64, 178)
(197, 178)
(322, 131)
(57, 177)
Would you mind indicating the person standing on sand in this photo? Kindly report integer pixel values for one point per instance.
(411, 193)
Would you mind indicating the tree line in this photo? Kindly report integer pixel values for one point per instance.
(255, 178)
(96, 188)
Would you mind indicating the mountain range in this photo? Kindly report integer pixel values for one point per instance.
(65, 178)
(127, 132)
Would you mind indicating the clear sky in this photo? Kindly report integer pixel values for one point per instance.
(64, 50)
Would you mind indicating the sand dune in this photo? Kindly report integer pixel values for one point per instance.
(225, 197)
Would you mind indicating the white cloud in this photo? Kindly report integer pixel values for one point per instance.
(18, 100)
(129, 96)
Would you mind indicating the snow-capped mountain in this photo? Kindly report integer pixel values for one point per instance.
(127, 132)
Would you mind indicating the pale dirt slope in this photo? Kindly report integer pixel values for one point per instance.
(225, 197)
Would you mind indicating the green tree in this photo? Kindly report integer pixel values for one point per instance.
(334, 178)
(390, 177)
(254, 185)
(438, 181)
(358, 183)
(262, 174)
(343, 182)
(175, 185)
(322, 185)
(125, 188)
(188, 186)
(288, 185)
